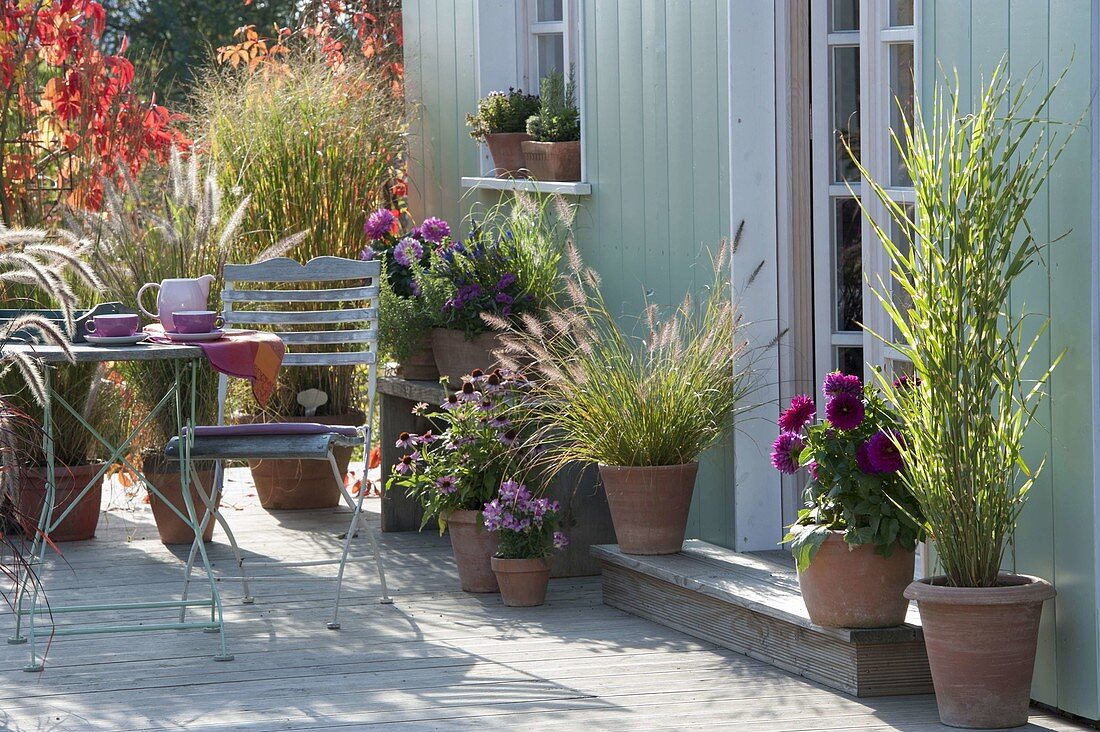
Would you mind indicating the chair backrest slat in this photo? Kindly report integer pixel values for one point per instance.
(318, 269)
(353, 358)
(275, 317)
(347, 293)
(330, 336)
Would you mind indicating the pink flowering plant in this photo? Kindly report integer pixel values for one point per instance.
(856, 483)
(526, 524)
(400, 252)
(476, 440)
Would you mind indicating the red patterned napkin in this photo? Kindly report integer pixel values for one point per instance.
(245, 354)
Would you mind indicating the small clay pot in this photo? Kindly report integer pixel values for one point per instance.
(455, 356)
(553, 161)
(419, 365)
(981, 647)
(508, 160)
(474, 547)
(81, 522)
(166, 477)
(522, 582)
(856, 588)
(649, 505)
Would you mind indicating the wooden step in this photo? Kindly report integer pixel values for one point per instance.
(750, 603)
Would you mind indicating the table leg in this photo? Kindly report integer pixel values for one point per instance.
(38, 545)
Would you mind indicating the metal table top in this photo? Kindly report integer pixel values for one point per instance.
(88, 353)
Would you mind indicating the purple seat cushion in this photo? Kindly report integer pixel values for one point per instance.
(275, 428)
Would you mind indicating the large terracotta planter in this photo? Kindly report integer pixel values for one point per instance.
(522, 581)
(649, 505)
(553, 161)
(302, 484)
(420, 365)
(81, 522)
(856, 588)
(474, 547)
(455, 356)
(508, 160)
(166, 477)
(981, 647)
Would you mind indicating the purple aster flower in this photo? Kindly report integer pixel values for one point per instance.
(506, 281)
(405, 441)
(504, 298)
(434, 230)
(801, 411)
(560, 540)
(838, 383)
(368, 253)
(883, 452)
(785, 452)
(863, 459)
(407, 251)
(446, 485)
(379, 224)
(845, 411)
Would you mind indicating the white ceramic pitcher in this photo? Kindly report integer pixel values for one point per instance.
(177, 295)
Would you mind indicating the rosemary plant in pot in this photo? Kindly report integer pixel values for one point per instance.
(643, 409)
(526, 525)
(964, 421)
(855, 541)
(554, 151)
(501, 123)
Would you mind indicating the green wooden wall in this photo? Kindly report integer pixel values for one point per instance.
(655, 83)
(1056, 535)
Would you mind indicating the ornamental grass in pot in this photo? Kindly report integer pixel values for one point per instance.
(456, 467)
(855, 540)
(976, 174)
(641, 408)
(526, 526)
(501, 123)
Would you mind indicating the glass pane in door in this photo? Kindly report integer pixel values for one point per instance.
(845, 106)
(548, 11)
(901, 13)
(843, 15)
(902, 95)
(551, 53)
(848, 262)
(849, 360)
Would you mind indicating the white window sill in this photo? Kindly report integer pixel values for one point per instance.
(532, 186)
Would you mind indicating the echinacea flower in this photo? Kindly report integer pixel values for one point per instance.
(468, 393)
(845, 411)
(407, 251)
(785, 452)
(499, 422)
(446, 485)
(509, 438)
(405, 464)
(863, 459)
(882, 451)
(486, 405)
(379, 224)
(427, 438)
(560, 540)
(434, 230)
(406, 441)
(801, 411)
(838, 383)
(451, 403)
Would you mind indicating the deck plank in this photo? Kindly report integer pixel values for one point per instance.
(436, 659)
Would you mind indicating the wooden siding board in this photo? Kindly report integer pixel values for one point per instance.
(660, 276)
(414, 96)
(632, 161)
(466, 83)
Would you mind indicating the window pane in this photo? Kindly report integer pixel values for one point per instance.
(902, 95)
(897, 292)
(843, 15)
(547, 11)
(845, 101)
(901, 12)
(551, 51)
(849, 360)
(849, 264)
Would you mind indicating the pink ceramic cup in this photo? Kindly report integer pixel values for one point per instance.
(113, 326)
(195, 321)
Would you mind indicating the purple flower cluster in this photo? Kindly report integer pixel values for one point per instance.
(466, 294)
(515, 509)
(379, 224)
(786, 451)
(883, 453)
(434, 230)
(407, 251)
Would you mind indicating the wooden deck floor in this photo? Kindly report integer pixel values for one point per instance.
(436, 659)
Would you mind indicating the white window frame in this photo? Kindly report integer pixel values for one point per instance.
(566, 28)
(873, 39)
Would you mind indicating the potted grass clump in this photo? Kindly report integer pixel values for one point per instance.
(501, 123)
(964, 420)
(459, 465)
(642, 409)
(526, 525)
(554, 151)
(855, 541)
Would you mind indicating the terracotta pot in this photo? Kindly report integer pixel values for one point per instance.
(508, 159)
(81, 522)
(474, 548)
(166, 477)
(649, 505)
(522, 581)
(981, 647)
(302, 484)
(420, 365)
(456, 357)
(553, 161)
(856, 588)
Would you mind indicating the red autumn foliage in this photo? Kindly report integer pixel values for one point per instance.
(68, 114)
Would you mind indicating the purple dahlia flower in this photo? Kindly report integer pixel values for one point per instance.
(863, 458)
(845, 411)
(785, 452)
(883, 452)
(379, 224)
(368, 253)
(838, 383)
(434, 230)
(407, 251)
(801, 411)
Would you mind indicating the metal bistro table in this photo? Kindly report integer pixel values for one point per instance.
(185, 360)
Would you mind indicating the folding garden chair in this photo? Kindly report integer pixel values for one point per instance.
(308, 343)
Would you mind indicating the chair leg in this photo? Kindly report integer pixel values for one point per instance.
(213, 510)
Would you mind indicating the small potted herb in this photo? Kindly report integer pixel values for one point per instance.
(526, 526)
(554, 152)
(855, 541)
(501, 123)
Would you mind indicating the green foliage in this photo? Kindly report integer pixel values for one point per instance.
(403, 323)
(500, 112)
(975, 175)
(604, 396)
(558, 119)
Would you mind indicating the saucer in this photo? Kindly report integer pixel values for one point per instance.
(116, 340)
(194, 337)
